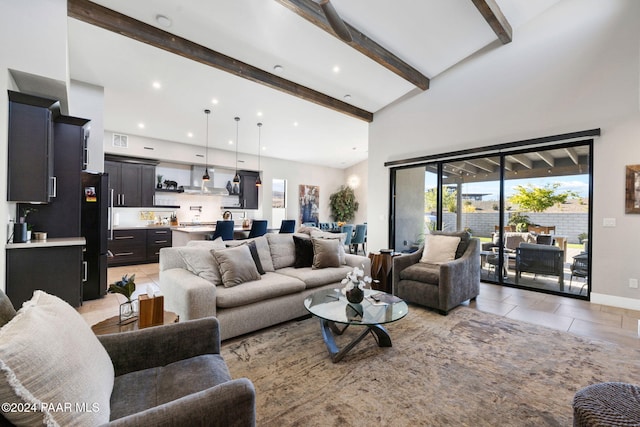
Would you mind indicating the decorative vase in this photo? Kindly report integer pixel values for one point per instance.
(127, 312)
(159, 186)
(355, 295)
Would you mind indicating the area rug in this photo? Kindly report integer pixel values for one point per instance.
(466, 369)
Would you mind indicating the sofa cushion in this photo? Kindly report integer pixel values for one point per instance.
(272, 285)
(208, 244)
(199, 261)
(283, 250)
(326, 253)
(50, 356)
(422, 272)
(439, 248)
(236, 265)
(137, 391)
(339, 236)
(314, 278)
(262, 245)
(465, 238)
(304, 252)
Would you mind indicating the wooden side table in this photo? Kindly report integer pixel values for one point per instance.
(111, 325)
(381, 267)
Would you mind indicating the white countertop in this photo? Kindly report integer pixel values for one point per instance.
(59, 241)
(203, 229)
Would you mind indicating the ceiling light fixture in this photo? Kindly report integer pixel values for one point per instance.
(258, 180)
(156, 85)
(236, 178)
(163, 21)
(347, 97)
(278, 68)
(206, 176)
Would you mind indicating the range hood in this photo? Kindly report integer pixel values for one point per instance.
(198, 186)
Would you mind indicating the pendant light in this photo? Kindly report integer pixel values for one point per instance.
(258, 180)
(236, 179)
(206, 176)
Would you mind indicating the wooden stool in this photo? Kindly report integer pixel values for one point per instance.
(607, 404)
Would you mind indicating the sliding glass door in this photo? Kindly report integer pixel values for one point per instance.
(530, 208)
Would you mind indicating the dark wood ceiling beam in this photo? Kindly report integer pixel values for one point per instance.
(491, 12)
(111, 20)
(311, 11)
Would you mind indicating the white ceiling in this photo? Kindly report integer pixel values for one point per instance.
(430, 35)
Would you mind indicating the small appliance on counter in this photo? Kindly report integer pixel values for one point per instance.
(227, 215)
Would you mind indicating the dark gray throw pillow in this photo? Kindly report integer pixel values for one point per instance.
(304, 252)
(256, 257)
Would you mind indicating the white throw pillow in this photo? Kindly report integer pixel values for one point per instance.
(52, 363)
(199, 260)
(439, 249)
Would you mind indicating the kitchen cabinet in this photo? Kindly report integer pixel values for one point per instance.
(56, 270)
(248, 190)
(129, 246)
(30, 176)
(61, 217)
(133, 184)
(157, 238)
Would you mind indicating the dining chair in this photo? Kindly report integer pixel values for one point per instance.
(223, 229)
(359, 238)
(258, 228)
(348, 230)
(309, 224)
(288, 226)
(324, 226)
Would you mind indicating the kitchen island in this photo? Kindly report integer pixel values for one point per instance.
(182, 235)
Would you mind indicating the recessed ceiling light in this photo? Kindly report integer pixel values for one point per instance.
(141, 125)
(190, 134)
(264, 148)
(295, 123)
(347, 97)
(214, 101)
(278, 68)
(354, 148)
(163, 21)
(156, 85)
(259, 113)
(230, 142)
(336, 69)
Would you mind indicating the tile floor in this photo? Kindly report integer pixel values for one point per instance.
(567, 314)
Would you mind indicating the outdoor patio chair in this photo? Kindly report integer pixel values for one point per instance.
(580, 268)
(540, 259)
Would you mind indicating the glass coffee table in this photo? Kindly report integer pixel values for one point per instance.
(332, 308)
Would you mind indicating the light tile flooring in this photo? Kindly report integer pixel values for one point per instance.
(567, 314)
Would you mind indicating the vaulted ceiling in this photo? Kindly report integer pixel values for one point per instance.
(277, 62)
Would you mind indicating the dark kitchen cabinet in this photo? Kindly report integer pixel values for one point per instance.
(57, 270)
(133, 184)
(248, 190)
(157, 238)
(30, 176)
(129, 246)
(61, 217)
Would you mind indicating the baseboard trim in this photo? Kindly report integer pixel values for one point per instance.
(614, 301)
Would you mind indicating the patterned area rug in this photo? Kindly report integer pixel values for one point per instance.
(466, 369)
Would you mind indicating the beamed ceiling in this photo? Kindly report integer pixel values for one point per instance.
(327, 90)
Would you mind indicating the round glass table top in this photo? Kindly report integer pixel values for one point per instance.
(332, 305)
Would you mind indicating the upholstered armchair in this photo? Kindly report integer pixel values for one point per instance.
(170, 375)
(435, 282)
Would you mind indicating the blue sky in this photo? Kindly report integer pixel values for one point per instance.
(577, 183)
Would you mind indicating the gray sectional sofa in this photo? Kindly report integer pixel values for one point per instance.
(215, 278)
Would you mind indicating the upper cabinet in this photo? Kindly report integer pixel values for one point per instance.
(131, 184)
(30, 173)
(248, 190)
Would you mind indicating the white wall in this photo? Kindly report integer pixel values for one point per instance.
(34, 40)
(87, 101)
(356, 177)
(575, 67)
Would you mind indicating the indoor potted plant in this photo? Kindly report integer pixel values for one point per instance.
(126, 287)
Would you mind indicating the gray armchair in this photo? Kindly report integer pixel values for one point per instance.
(170, 375)
(444, 286)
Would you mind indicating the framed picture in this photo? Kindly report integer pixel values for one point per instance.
(632, 194)
(309, 197)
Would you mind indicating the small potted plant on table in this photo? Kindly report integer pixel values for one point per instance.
(126, 287)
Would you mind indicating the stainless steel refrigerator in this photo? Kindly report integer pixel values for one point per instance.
(95, 229)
